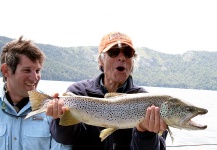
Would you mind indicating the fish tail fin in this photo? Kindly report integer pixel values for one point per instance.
(38, 102)
(37, 99)
(36, 112)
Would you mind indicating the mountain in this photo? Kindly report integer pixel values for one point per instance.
(193, 69)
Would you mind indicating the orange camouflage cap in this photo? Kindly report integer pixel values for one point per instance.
(113, 38)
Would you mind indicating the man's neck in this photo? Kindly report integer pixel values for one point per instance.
(111, 86)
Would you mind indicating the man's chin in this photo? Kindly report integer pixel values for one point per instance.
(31, 88)
(120, 80)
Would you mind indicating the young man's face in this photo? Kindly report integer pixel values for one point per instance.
(25, 78)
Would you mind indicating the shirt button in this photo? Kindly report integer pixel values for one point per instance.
(15, 138)
(114, 145)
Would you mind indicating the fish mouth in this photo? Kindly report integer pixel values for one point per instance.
(192, 124)
(196, 125)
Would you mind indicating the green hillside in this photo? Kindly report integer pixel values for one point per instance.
(193, 69)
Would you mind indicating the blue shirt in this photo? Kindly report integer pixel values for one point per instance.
(17, 133)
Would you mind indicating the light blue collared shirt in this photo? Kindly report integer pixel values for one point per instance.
(17, 133)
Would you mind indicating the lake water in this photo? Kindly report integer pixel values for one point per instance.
(183, 139)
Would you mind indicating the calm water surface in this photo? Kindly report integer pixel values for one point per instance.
(183, 140)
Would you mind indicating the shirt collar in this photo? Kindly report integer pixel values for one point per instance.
(20, 104)
(119, 90)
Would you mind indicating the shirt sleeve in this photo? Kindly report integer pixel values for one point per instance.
(62, 134)
(59, 146)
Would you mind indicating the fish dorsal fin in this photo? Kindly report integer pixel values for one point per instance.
(37, 99)
(106, 132)
(113, 94)
(67, 119)
(68, 94)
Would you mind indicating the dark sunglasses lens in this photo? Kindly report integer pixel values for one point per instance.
(113, 52)
(128, 52)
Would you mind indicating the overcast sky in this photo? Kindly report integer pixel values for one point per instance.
(169, 26)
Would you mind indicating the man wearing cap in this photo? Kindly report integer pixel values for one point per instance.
(116, 61)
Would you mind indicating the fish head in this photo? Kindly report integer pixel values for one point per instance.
(178, 114)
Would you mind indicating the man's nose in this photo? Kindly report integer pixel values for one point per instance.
(34, 76)
(121, 56)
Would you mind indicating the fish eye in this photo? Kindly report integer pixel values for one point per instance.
(188, 108)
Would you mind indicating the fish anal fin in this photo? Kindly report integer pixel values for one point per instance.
(106, 132)
(67, 119)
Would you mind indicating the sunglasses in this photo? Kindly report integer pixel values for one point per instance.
(115, 51)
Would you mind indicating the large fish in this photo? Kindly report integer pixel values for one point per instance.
(119, 111)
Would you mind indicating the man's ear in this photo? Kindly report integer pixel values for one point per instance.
(100, 62)
(100, 59)
(4, 70)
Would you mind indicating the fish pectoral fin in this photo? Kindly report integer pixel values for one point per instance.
(171, 134)
(113, 94)
(106, 132)
(67, 119)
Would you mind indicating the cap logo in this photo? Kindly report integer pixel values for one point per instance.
(116, 36)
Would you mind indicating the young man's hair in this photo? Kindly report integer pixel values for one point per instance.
(12, 50)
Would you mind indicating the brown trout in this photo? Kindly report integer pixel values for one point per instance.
(119, 110)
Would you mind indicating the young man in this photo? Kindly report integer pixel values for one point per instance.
(21, 64)
(116, 61)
